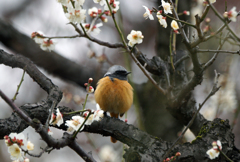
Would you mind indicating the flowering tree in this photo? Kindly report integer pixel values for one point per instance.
(166, 72)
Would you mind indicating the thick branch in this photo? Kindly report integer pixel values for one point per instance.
(63, 68)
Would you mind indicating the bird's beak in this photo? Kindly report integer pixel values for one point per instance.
(129, 72)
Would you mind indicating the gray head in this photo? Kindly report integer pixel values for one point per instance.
(118, 72)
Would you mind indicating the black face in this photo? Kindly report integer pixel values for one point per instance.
(118, 72)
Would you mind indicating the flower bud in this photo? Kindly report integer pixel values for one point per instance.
(178, 154)
(90, 80)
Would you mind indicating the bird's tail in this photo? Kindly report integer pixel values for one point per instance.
(113, 140)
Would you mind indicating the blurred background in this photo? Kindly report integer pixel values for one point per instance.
(146, 113)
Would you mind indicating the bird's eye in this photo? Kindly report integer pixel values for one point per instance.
(120, 72)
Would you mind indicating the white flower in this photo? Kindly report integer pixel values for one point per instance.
(219, 144)
(166, 7)
(78, 4)
(174, 25)
(107, 153)
(93, 11)
(47, 45)
(89, 120)
(113, 4)
(35, 36)
(63, 2)
(75, 15)
(18, 138)
(101, 2)
(211, 1)
(30, 146)
(212, 153)
(95, 29)
(98, 115)
(232, 14)
(135, 37)
(15, 152)
(56, 119)
(80, 15)
(50, 133)
(148, 14)
(162, 20)
(75, 123)
(26, 160)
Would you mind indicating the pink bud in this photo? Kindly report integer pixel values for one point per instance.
(186, 12)
(6, 137)
(167, 159)
(90, 80)
(126, 120)
(178, 154)
(208, 20)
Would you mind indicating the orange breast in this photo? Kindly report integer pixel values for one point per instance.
(114, 96)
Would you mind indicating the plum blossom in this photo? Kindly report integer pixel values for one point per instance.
(56, 119)
(16, 152)
(167, 7)
(15, 138)
(95, 29)
(107, 153)
(214, 151)
(36, 36)
(101, 2)
(47, 44)
(113, 4)
(135, 37)
(232, 14)
(148, 14)
(93, 12)
(75, 123)
(63, 2)
(30, 146)
(78, 4)
(50, 133)
(98, 114)
(175, 26)
(162, 20)
(75, 15)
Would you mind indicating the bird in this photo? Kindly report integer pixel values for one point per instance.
(113, 92)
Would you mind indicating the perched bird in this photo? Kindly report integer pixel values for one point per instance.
(113, 93)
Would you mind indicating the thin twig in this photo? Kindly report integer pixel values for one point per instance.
(18, 87)
(225, 155)
(59, 37)
(116, 45)
(170, 50)
(40, 154)
(213, 91)
(219, 51)
(210, 62)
